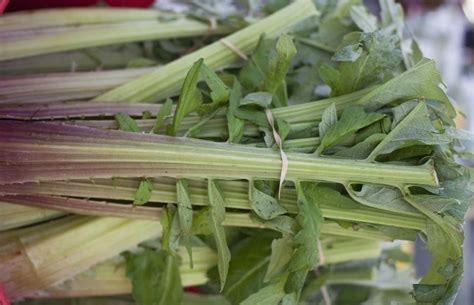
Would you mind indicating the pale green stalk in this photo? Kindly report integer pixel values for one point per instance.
(14, 216)
(109, 277)
(100, 35)
(168, 79)
(56, 87)
(74, 16)
(235, 193)
(107, 57)
(54, 253)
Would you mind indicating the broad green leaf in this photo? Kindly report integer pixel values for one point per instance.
(421, 81)
(201, 222)
(250, 257)
(401, 111)
(382, 197)
(219, 90)
(190, 98)
(267, 67)
(309, 218)
(285, 50)
(380, 54)
(185, 214)
(282, 252)
(263, 202)
(235, 125)
(155, 277)
(283, 128)
(126, 123)
(143, 194)
(414, 129)
(328, 119)
(352, 119)
(217, 216)
(348, 53)
(283, 224)
(336, 23)
(364, 20)
(362, 149)
(165, 111)
(269, 295)
(302, 83)
(261, 99)
(171, 230)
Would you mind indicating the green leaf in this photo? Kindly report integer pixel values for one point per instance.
(362, 149)
(250, 258)
(268, 65)
(235, 125)
(219, 90)
(364, 20)
(185, 214)
(282, 252)
(201, 222)
(171, 230)
(262, 200)
(155, 277)
(414, 129)
(283, 224)
(421, 81)
(352, 119)
(269, 295)
(190, 98)
(382, 197)
(336, 23)
(217, 216)
(126, 123)
(350, 52)
(261, 99)
(380, 54)
(328, 119)
(165, 111)
(285, 50)
(143, 194)
(309, 218)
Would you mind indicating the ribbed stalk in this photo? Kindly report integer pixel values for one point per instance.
(57, 87)
(164, 191)
(46, 151)
(109, 278)
(14, 216)
(167, 80)
(73, 16)
(52, 254)
(100, 35)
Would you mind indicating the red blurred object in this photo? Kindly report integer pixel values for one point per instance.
(3, 4)
(3, 298)
(192, 289)
(19, 5)
(130, 3)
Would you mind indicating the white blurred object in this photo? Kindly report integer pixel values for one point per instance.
(440, 34)
(468, 8)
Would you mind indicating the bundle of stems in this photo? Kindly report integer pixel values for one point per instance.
(257, 181)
